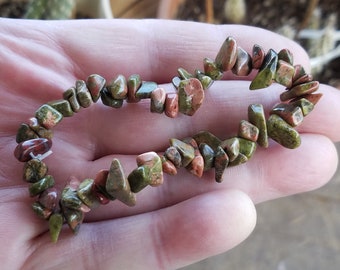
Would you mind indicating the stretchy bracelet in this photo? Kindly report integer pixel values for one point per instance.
(201, 152)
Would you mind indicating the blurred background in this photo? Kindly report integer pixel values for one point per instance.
(294, 233)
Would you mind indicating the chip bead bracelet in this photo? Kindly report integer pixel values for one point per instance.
(199, 153)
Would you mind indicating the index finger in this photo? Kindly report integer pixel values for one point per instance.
(155, 49)
(152, 48)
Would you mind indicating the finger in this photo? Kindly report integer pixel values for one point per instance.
(159, 47)
(272, 173)
(281, 172)
(152, 48)
(324, 118)
(165, 239)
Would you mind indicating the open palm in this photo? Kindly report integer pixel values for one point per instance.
(186, 219)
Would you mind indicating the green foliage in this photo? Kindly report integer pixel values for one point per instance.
(50, 9)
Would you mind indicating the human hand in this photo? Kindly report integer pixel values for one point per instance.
(184, 220)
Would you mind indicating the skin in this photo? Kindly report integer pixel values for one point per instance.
(184, 220)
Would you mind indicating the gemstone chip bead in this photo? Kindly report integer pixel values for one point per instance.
(24, 150)
(47, 116)
(283, 133)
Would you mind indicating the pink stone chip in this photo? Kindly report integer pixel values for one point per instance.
(101, 177)
(190, 96)
(158, 97)
(47, 116)
(243, 65)
(171, 105)
(148, 158)
(300, 90)
(95, 83)
(291, 114)
(303, 79)
(227, 55)
(248, 131)
(284, 73)
(257, 56)
(196, 166)
(168, 167)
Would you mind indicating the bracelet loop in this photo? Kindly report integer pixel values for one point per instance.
(197, 154)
